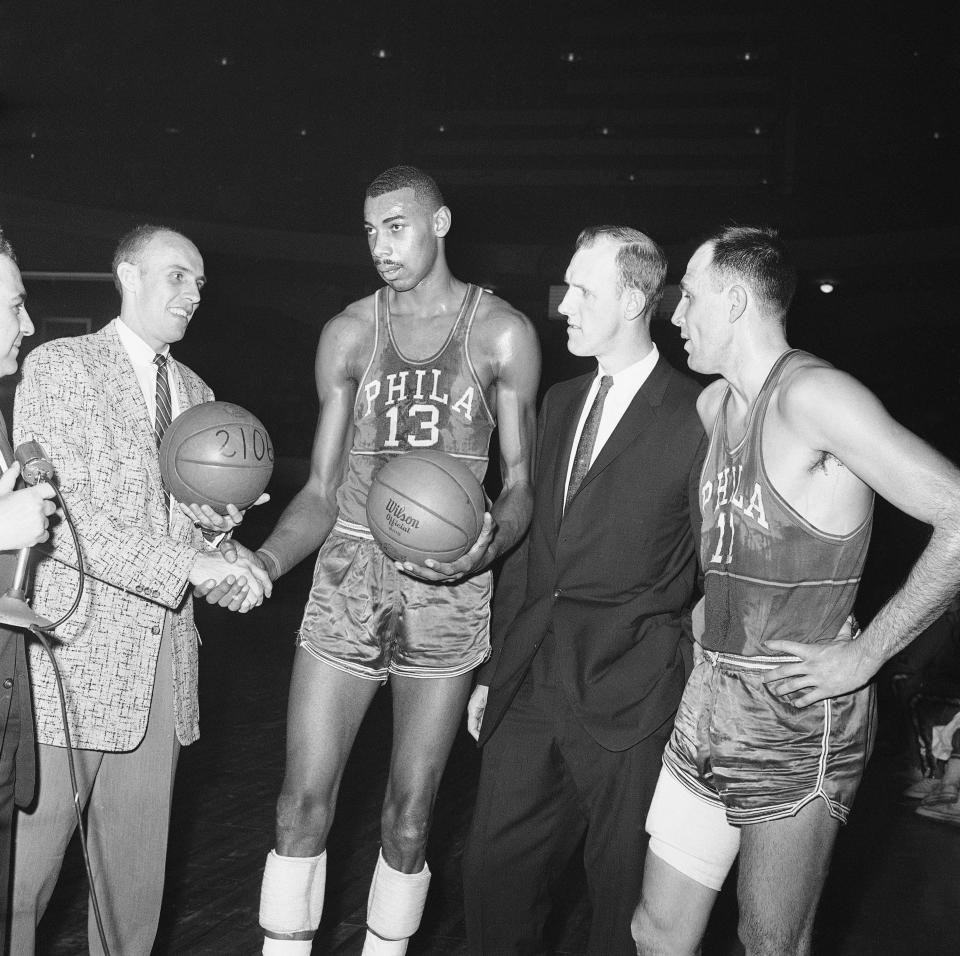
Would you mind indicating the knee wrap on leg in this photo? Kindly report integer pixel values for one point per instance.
(396, 901)
(291, 895)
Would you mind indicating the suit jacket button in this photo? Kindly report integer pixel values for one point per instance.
(155, 629)
(8, 683)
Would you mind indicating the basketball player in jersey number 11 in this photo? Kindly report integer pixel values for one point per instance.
(777, 720)
(427, 361)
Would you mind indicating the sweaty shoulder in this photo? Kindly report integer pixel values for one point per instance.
(502, 334)
(348, 337)
(810, 386)
(496, 318)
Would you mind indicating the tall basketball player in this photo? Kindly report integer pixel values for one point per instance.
(426, 362)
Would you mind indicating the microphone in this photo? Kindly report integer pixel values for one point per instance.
(35, 467)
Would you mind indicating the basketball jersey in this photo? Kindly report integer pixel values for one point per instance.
(403, 404)
(768, 572)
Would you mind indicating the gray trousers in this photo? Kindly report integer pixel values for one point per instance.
(128, 796)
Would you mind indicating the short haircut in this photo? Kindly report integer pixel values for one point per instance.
(130, 248)
(6, 249)
(756, 256)
(424, 186)
(641, 263)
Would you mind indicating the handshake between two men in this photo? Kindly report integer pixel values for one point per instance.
(233, 576)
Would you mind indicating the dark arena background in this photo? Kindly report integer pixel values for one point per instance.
(254, 128)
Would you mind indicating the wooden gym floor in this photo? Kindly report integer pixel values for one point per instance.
(894, 887)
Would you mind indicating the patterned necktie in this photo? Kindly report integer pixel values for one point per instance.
(588, 438)
(164, 406)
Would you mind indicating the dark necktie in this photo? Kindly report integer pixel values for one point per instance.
(588, 438)
(164, 406)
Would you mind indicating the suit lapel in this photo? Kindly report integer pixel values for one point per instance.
(639, 416)
(126, 398)
(569, 417)
(188, 394)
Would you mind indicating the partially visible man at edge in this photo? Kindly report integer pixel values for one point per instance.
(23, 523)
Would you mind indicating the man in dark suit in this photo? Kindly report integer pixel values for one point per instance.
(23, 523)
(590, 650)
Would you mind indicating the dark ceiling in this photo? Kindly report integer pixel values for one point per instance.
(254, 128)
(536, 117)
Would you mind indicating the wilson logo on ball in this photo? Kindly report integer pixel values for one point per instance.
(425, 504)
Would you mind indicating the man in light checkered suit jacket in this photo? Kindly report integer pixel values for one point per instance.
(128, 656)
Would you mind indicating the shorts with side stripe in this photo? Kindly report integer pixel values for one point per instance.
(365, 617)
(737, 743)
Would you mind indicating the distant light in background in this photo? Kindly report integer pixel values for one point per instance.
(441, 128)
(303, 131)
(172, 130)
(757, 130)
(570, 57)
(746, 56)
(604, 130)
(382, 53)
(936, 134)
(224, 61)
(827, 287)
(33, 134)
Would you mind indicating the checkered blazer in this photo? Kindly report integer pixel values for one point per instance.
(80, 399)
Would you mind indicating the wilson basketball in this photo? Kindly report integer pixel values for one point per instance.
(216, 454)
(425, 504)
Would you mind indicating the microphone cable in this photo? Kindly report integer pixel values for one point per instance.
(40, 633)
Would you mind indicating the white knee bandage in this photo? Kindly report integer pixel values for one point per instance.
(395, 905)
(291, 895)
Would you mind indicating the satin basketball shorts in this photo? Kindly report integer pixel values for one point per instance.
(365, 617)
(737, 743)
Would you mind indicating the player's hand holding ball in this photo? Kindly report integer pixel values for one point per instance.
(427, 511)
(452, 572)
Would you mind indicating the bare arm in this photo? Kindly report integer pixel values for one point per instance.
(308, 519)
(833, 412)
(516, 361)
(517, 383)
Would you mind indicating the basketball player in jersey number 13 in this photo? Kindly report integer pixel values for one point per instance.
(427, 361)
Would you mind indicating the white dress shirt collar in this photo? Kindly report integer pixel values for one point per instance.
(626, 383)
(141, 358)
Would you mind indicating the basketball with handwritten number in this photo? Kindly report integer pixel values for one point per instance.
(216, 454)
(425, 504)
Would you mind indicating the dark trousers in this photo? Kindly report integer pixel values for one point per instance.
(545, 783)
(9, 740)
